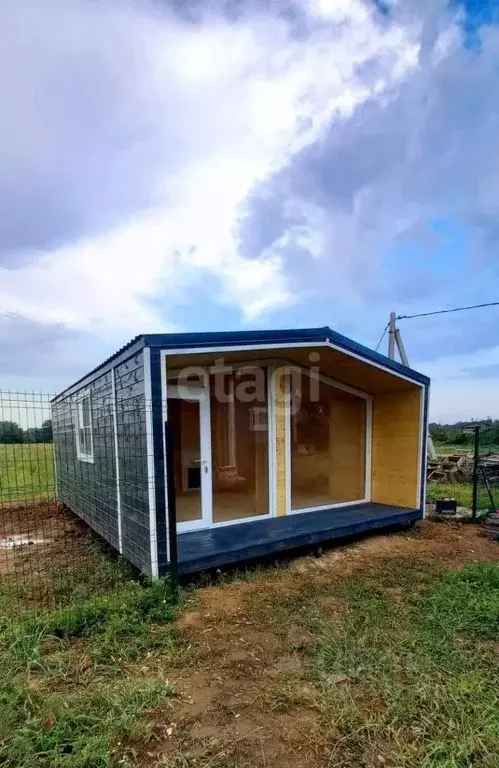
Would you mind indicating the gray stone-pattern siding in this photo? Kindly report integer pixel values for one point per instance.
(90, 489)
(132, 451)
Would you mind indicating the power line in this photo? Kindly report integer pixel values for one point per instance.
(445, 311)
(382, 337)
(437, 312)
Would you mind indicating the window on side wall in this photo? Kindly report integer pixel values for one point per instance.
(84, 436)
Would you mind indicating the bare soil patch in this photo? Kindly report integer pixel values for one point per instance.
(245, 701)
(41, 544)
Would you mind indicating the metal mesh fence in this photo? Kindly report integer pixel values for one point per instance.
(75, 489)
(488, 479)
(59, 466)
(451, 475)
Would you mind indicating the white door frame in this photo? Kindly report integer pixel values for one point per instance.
(200, 395)
(196, 392)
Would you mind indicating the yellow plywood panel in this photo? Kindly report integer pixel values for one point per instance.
(396, 445)
(280, 389)
(347, 454)
(330, 362)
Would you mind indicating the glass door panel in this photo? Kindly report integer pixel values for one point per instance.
(239, 442)
(184, 418)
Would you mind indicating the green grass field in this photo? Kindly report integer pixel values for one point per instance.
(26, 472)
(446, 449)
(463, 493)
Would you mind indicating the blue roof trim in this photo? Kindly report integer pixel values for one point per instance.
(242, 338)
(287, 336)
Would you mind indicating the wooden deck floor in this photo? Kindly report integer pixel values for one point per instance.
(225, 545)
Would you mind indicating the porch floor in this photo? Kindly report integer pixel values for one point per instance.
(225, 545)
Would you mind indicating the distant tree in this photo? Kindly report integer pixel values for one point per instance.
(31, 435)
(10, 432)
(490, 434)
(450, 434)
(439, 433)
(461, 438)
(46, 432)
(41, 434)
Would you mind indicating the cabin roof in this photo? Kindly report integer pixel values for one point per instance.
(218, 340)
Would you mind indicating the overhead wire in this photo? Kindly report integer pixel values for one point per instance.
(382, 337)
(446, 311)
(436, 312)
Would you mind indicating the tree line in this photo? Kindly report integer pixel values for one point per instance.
(452, 434)
(11, 432)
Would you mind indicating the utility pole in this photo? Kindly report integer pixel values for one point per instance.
(392, 330)
(395, 340)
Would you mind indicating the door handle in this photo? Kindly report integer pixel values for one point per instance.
(203, 463)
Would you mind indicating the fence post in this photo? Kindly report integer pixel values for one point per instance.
(172, 512)
(476, 458)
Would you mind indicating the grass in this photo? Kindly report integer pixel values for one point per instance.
(26, 472)
(69, 696)
(418, 674)
(401, 669)
(462, 492)
(81, 731)
(446, 449)
(405, 672)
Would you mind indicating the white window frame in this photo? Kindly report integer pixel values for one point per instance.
(81, 455)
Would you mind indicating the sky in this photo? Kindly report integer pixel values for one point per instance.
(189, 166)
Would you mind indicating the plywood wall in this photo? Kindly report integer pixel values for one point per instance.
(396, 439)
(280, 385)
(347, 452)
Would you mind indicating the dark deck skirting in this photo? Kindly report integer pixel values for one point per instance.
(226, 545)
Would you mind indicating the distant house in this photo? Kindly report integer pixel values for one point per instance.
(280, 439)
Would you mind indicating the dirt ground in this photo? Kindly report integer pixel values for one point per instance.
(224, 713)
(41, 541)
(242, 695)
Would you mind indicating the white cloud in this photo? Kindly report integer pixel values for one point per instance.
(131, 141)
(193, 116)
(421, 151)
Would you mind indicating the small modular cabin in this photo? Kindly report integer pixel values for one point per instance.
(275, 440)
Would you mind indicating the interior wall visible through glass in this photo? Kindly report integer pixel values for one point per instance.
(239, 444)
(328, 445)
